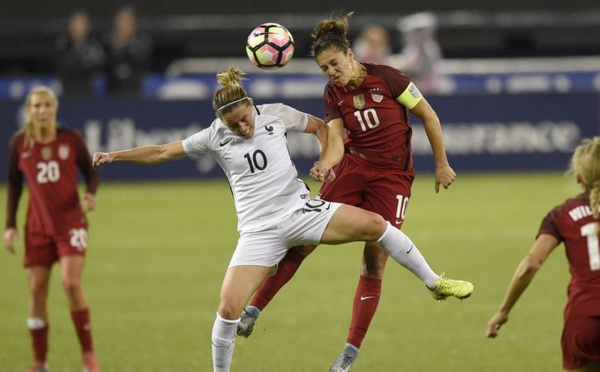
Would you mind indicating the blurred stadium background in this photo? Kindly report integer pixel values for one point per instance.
(521, 89)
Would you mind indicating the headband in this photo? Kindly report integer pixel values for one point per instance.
(232, 103)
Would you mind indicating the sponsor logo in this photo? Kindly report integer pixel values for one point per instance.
(362, 298)
(269, 129)
(26, 154)
(223, 143)
(411, 248)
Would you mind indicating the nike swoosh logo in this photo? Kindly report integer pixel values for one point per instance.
(340, 102)
(398, 222)
(411, 248)
(225, 142)
(26, 154)
(362, 298)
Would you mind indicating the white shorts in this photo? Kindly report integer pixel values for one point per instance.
(268, 246)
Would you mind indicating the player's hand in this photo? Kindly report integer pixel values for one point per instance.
(321, 173)
(444, 176)
(495, 323)
(89, 202)
(10, 236)
(100, 158)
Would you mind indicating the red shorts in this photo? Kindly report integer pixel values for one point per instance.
(385, 192)
(580, 342)
(45, 250)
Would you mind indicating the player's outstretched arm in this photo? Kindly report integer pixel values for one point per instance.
(153, 154)
(529, 266)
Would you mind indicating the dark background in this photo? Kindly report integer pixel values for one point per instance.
(186, 28)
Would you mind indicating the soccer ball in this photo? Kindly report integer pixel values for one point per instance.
(270, 46)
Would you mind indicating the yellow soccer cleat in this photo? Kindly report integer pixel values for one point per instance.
(446, 287)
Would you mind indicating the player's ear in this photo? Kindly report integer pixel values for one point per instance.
(350, 53)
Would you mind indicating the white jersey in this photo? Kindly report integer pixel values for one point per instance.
(263, 179)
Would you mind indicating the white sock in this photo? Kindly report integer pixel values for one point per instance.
(223, 343)
(35, 323)
(402, 250)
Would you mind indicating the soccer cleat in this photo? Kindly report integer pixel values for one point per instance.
(39, 367)
(344, 361)
(446, 287)
(246, 324)
(90, 364)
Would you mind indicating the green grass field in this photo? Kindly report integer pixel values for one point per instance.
(158, 253)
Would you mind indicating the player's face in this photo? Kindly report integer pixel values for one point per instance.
(42, 110)
(240, 120)
(337, 66)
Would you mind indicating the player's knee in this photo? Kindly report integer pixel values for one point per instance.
(375, 226)
(72, 287)
(38, 289)
(229, 311)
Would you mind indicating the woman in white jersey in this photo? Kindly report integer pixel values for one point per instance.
(274, 208)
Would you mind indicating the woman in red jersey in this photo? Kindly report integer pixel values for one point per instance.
(367, 163)
(576, 224)
(47, 158)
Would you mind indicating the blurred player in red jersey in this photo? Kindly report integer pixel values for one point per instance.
(48, 157)
(367, 163)
(576, 224)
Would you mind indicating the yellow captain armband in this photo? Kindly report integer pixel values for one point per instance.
(410, 97)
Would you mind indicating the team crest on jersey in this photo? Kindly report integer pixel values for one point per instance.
(63, 152)
(376, 95)
(359, 101)
(46, 153)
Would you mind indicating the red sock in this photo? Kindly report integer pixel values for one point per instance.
(285, 271)
(81, 320)
(39, 341)
(365, 304)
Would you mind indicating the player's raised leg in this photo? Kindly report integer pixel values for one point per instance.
(354, 224)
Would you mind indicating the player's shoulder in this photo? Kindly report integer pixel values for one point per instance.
(570, 204)
(384, 71)
(274, 109)
(67, 131)
(18, 137)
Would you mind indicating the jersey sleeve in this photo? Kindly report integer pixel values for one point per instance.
(198, 143)
(332, 106)
(84, 162)
(15, 184)
(548, 226)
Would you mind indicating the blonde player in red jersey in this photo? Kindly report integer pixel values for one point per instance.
(48, 158)
(576, 224)
(372, 166)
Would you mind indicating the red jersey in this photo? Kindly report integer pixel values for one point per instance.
(51, 173)
(572, 223)
(376, 124)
